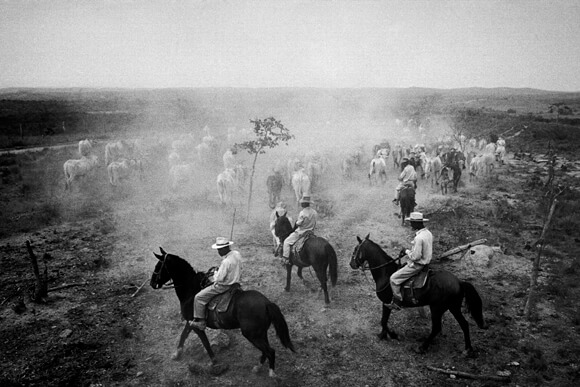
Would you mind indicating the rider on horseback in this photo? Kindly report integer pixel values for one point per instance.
(228, 274)
(418, 257)
(408, 177)
(306, 222)
(278, 211)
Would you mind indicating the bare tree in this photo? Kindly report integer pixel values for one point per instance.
(269, 134)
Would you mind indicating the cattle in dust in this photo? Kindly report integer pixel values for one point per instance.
(314, 171)
(472, 144)
(85, 148)
(226, 185)
(347, 167)
(433, 167)
(229, 159)
(486, 164)
(378, 171)
(482, 144)
(500, 153)
(490, 148)
(300, 184)
(241, 175)
(184, 147)
(76, 169)
(293, 165)
(500, 142)
(474, 167)
(397, 154)
(122, 170)
(121, 149)
(274, 183)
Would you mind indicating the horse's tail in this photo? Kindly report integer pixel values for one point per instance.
(332, 263)
(280, 325)
(474, 303)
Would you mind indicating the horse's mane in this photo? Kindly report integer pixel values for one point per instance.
(181, 268)
(379, 250)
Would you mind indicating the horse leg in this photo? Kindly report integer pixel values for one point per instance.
(260, 341)
(288, 276)
(386, 332)
(321, 274)
(179, 351)
(436, 315)
(456, 312)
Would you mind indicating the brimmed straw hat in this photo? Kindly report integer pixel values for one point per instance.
(416, 217)
(305, 199)
(221, 242)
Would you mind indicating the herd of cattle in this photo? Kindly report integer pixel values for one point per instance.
(440, 163)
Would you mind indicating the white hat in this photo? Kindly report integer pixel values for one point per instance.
(416, 217)
(221, 242)
(305, 199)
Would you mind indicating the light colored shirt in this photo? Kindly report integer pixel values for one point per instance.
(408, 174)
(230, 269)
(422, 250)
(306, 220)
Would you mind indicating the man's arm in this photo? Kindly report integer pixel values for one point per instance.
(417, 251)
(222, 272)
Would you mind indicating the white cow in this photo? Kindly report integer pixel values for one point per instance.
(300, 184)
(226, 184)
(489, 148)
(500, 153)
(76, 168)
(229, 159)
(482, 143)
(433, 167)
(85, 147)
(486, 164)
(474, 165)
(378, 170)
(123, 170)
(118, 150)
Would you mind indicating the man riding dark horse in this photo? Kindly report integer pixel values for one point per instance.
(419, 256)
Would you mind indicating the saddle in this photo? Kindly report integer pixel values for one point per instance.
(221, 302)
(295, 257)
(415, 282)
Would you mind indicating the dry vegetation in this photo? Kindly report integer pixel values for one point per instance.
(102, 239)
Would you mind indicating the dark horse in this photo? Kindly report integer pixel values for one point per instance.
(249, 310)
(443, 291)
(407, 202)
(316, 252)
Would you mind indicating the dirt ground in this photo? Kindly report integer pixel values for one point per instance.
(102, 332)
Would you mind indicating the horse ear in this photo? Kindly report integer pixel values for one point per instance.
(358, 239)
(285, 213)
(368, 235)
(162, 251)
(159, 257)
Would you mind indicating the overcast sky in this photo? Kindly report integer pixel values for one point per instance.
(146, 43)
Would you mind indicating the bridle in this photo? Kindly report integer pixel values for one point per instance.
(361, 264)
(157, 273)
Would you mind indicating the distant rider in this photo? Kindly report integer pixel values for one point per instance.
(306, 222)
(408, 177)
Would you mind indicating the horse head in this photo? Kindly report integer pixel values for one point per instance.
(282, 227)
(358, 255)
(160, 274)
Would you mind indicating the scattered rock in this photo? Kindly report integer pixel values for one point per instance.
(66, 333)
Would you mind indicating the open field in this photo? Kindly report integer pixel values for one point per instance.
(102, 239)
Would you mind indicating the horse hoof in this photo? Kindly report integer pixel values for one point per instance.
(271, 373)
(176, 355)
